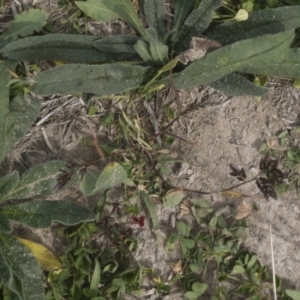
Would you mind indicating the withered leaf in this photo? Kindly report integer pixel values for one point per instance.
(267, 163)
(244, 209)
(240, 174)
(266, 188)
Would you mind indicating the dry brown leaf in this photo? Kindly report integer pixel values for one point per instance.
(244, 209)
(233, 194)
(176, 266)
(135, 4)
(185, 207)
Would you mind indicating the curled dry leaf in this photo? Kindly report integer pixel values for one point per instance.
(244, 209)
(185, 207)
(176, 266)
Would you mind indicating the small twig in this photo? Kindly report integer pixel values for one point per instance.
(95, 140)
(273, 264)
(180, 138)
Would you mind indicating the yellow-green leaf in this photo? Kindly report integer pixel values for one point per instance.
(46, 259)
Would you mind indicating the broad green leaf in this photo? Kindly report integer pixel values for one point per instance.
(252, 261)
(199, 288)
(151, 209)
(95, 280)
(173, 198)
(105, 10)
(143, 50)
(22, 273)
(41, 214)
(261, 22)
(112, 175)
(25, 23)
(236, 85)
(261, 51)
(22, 114)
(97, 10)
(88, 182)
(38, 180)
(191, 295)
(237, 269)
(8, 183)
(101, 80)
(62, 47)
(5, 75)
(155, 16)
(201, 203)
(5, 226)
(117, 43)
(46, 258)
(182, 9)
(158, 50)
(289, 67)
(295, 295)
(196, 22)
(188, 243)
(183, 228)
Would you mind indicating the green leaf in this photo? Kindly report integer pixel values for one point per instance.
(151, 209)
(95, 280)
(5, 226)
(143, 50)
(182, 9)
(236, 85)
(196, 22)
(173, 197)
(101, 80)
(213, 221)
(41, 214)
(5, 75)
(20, 271)
(38, 180)
(25, 23)
(112, 175)
(266, 21)
(199, 288)
(295, 295)
(62, 47)
(261, 52)
(105, 10)
(252, 261)
(88, 182)
(97, 10)
(8, 183)
(221, 222)
(237, 269)
(183, 228)
(191, 295)
(22, 114)
(190, 244)
(158, 50)
(155, 16)
(117, 43)
(201, 203)
(288, 67)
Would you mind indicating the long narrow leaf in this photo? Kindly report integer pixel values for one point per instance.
(20, 271)
(197, 21)
(7, 184)
(182, 9)
(263, 51)
(105, 10)
(22, 114)
(158, 50)
(151, 209)
(101, 80)
(62, 47)
(289, 67)
(5, 75)
(267, 21)
(155, 16)
(41, 214)
(236, 85)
